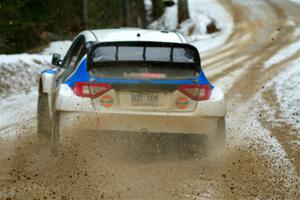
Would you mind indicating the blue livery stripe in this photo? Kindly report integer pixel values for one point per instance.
(81, 75)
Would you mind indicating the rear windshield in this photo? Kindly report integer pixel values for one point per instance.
(140, 62)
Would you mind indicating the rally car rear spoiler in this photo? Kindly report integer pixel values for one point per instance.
(93, 46)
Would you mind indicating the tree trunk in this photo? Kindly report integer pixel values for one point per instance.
(157, 9)
(134, 13)
(128, 13)
(141, 14)
(183, 12)
(84, 14)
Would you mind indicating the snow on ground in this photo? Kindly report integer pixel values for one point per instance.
(283, 54)
(227, 82)
(168, 21)
(290, 49)
(18, 81)
(19, 72)
(257, 139)
(286, 87)
(202, 13)
(13, 112)
(296, 1)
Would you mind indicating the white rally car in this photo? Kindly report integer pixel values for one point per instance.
(130, 80)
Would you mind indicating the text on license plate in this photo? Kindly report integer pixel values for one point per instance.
(144, 98)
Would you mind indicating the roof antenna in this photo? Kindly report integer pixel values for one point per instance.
(138, 35)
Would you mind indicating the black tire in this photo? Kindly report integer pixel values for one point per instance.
(43, 115)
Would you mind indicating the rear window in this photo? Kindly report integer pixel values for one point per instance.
(162, 54)
(105, 54)
(129, 54)
(144, 62)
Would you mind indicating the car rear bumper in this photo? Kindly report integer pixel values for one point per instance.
(67, 101)
(139, 122)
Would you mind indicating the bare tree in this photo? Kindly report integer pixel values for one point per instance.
(134, 13)
(157, 9)
(84, 13)
(128, 13)
(141, 13)
(183, 11)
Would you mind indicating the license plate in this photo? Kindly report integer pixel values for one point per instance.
(144, 99)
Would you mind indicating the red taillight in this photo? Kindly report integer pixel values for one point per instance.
(91, 90)
(196, 92)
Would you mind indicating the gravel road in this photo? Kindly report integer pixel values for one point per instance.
(258, 66)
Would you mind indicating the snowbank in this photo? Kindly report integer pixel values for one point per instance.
(202, 13)
(168, 20)
(19, 72)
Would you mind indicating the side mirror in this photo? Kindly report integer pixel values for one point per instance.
(169, 3)
(56, 61)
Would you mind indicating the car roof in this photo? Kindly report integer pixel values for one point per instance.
(132, 34)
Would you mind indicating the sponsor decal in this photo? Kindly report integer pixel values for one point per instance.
(153, 75)
(144, 75)
(106, 101)
(182, 103)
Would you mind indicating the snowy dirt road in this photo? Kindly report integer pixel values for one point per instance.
(259, 68)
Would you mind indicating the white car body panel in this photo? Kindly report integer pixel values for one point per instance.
(66, 100)
(80, 113)
(131, 34)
